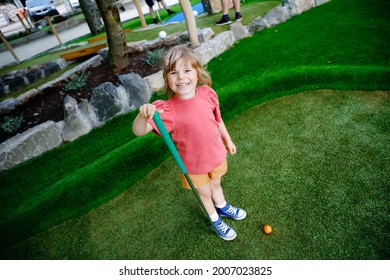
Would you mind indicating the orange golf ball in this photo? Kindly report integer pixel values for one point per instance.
(267, 229)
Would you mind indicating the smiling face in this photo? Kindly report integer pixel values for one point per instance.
(183, 71)
(182, 79)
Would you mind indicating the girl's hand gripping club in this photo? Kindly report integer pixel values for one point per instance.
(167, 138)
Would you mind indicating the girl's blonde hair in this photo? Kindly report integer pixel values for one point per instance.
(188, 54)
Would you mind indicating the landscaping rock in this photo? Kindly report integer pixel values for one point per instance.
(215, 47)
(276, 16)
(298, 6)
(153, 44)
(205, 34)
(88, 111)
(31, 143)
(35, 74)
(320, 2)
(19, 79)
(172, 39)
(304, 5)
(17, 83)
(291, 8)
(137, 88)
(258, 24)
(155, 81)
(136, 46)
(62, 63)
(51, 68)
(76, 123)
(8, 106)
(239, 30)
(105, 101)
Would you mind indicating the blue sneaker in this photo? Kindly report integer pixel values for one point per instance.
(223, 230)
(231, 212)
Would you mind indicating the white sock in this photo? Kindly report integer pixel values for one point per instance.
(214, 217)
(220, 205)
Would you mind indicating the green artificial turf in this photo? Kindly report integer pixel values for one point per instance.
(319, 49)
(313, 165)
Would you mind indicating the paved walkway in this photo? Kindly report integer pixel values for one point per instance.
(40, 45)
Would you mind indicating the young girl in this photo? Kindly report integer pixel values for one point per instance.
(193, 118)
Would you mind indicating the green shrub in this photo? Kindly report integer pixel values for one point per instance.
(12, 124)
(77, 81)
(154, 57)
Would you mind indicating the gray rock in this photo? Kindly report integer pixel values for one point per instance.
(155, 81)
(320, 2)
(136, 46)
(35, 74)
(76, 123)
(239, 30)
(29, 144)
(51, 68)
(205, 34)
(277, 15)
(258, 24)
(137, 88)
(216, 46)
(105, 101)
(8, 106)
(171, 39)
(296, 7)
(62, 63)
(88, 111)
(16, 83)
(147, 45)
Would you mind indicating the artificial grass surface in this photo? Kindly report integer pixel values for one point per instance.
(314, 165)
(338, 33)
(82, 175)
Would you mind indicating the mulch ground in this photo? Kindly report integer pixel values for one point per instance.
(49, 105)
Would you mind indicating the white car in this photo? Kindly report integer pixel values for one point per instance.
(74, 4)
(38, 9)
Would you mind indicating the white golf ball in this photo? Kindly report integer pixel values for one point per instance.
(162, 34)
(195, 12)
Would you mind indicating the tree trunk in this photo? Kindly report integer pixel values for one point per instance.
(190, 22)
(118, 56)
(92, 16)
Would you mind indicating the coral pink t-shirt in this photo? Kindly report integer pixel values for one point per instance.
(194, 127)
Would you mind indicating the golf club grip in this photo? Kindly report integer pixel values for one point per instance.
(171, 146)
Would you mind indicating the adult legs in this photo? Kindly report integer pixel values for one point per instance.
(225, 10)
(151, 11)
(225, 6)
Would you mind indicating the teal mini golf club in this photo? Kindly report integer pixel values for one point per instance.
(171, 146)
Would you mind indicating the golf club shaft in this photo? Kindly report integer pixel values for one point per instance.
(171, 146)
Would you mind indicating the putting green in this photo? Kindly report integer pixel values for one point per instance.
(314, 165)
